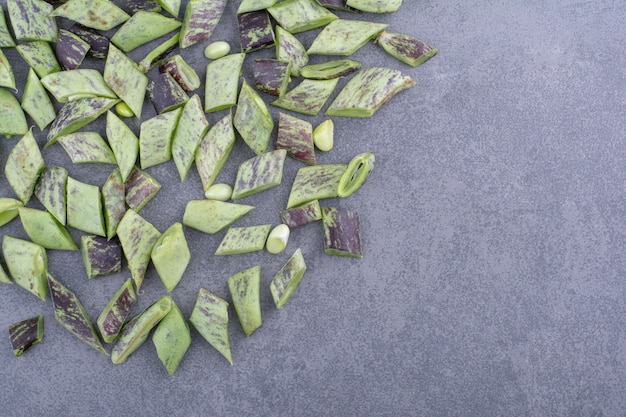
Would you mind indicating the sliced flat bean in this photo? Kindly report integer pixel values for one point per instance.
(253, 120)
(259, 173)
(35, 101)
(345, 37)
(296, 137)
(308, 97)
(31, 20)
(23, 166)
(116, 311)
(287, 279)
(301, 15)
(96, 14)
(141, 28)
(214, 150)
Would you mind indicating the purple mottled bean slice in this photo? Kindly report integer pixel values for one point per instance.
(253, 120)
(314, 183)
(210, 318)
(308, 97)
(287, 279)
(25, 334)
(114, 314)
(70, 50)
(201, 18)
(165, 93)
(123, 77)
(301, 15)
(342, 232)
(87, 148)
(100, 255)
(259, 173)
(301, 215)
(214, 150)
(290, 49)
(296, 137)
(272, 76)
(140, 188)
(98, 43)
(31, 20)
(375, 6)
(51, 191)
(192, 126)
(255, 31)
(95, 14)
(23, 166)
(406, 48)
(344, 37)
(113, 202)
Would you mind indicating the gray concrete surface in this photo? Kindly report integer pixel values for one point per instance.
(493, 226)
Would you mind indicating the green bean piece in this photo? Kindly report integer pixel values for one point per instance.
(182, 72)
(301, 215)
(210, 318)
(12, 117)
(31, 20)
(259, 173)
(113, 201)
(125, 79)
(296, 137)
(140, 188)
(159, 53)
(201, 18)
(70, 50)
(301, 15)
(96, 14)
(137, 237)
(27, 264)
(43, 229)
(9, 209)
(23, 166)
(330, 69)
(4, 277)
(272, 76)
(253, 120)
(170, 6)
(290, 49)
(192, 126)
(25, 334)
(40, 57)
(255, 31)
(287, 279)
(114, 314)
(84, 207)
(308, 97)
(136, 330)
(345, 37)
(141, 28)
(123, 142)
(87, 148)
(406, 48)
(342, 232)
(214, 150)
(212, 216)
(367, 91)
(6, 39)
(375, 6)
(222, 82)
(253, 5)
(51, 191)
(155, 138)
(70, 84)
(315, 183)
(35, 101)
(170, 256)
(238, 240)
(358, 171)
(245, 292)
(76, 114)
(172, 338)
(100, 256)
(166, 94)
(7, 78)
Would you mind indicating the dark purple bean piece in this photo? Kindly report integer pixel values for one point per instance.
(26, 334)
(100, 256)
(272, 76)
(98, 43)
(255, 31)
(165, 93)
(70, 50)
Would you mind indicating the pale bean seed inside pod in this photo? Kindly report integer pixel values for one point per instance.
(123, 110)
(220, 192)
(217, 49)
(277, 239)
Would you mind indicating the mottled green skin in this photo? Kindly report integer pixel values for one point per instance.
(123, 142)
(183, 73)
(296, 137)
(98, 43)
(330, 69)
(71, 314)
(259, 173)
(308, 97)
(245, 292)
(70, 50)
(287, 279)
(137, 237)
(345, 37)
(214, 150)
(255, 31)
(301, 215)
(315, 183)
(31, 20)
(165, 93)
(290, 49)
(253, 5)
(155, 56)
(170, 256)
(7, 78)
(247, 239)
(6, 39)
(64, 85)
(87, 148)
(406, 48)
(358, 171)
(27, 263)
(272, 76)
(76, 114)
(172, 338)
(137, 329)
(368, 91)
(201, 18)
(40, 57)
(84, 207)
(155, 138)
(100, 256)
(141, 28)
(342, 232)
(140, 188)
(12, 118)
(210, 318)
(211, 216)
(192, 126)
(43, 229)
(51, 191)
(96, 14)
(301, 15)
(170, 6)
(26, 334)
(125, 79)
(253, 120)
(114, 314)
(35, 101)
(375, 6)
(222, 82)
(23, 166)
(113, 202)
(9, 209)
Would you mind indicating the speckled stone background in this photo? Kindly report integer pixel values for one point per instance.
(493, 280)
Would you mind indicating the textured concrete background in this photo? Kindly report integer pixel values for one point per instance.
(493, 225)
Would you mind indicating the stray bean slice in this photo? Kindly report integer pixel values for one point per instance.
(100, 256)
(342, 232)
(26, 334)
(210, 318)
(245, 291)
(345, 37)
(358, 171)
(406, 48)
(116, 311)
(288, 278)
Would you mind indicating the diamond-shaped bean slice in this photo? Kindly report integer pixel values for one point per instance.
(246, 239)
(140, 188)
(43, 229)
(27, 263)
(70, 50)
(308, 97)
(192, 126)
(51, 191)
(259, 173)
(26, 334)
(301, 215)
(31, 20)
(124, 77)
(100, 256)
(95, 14)
(113, 202)
(114, 314)
(290, 49)
(172, 338)
(315, 183)
(253, 120)
(245, 290)
(345, 37)
(84, 207)
(35, 101)
(301, 15)
(170, 256)
(214, 150)
(296, 137)
(255, 31)
(375, 6)
(201, 18)
(406, 48)
(155, 138)
(210, 318)
(222, 82)
(87, 148)
(39, 56)
(124, 143)
(23, 167)
(211, 216)
(342, 232)
(287, 279)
